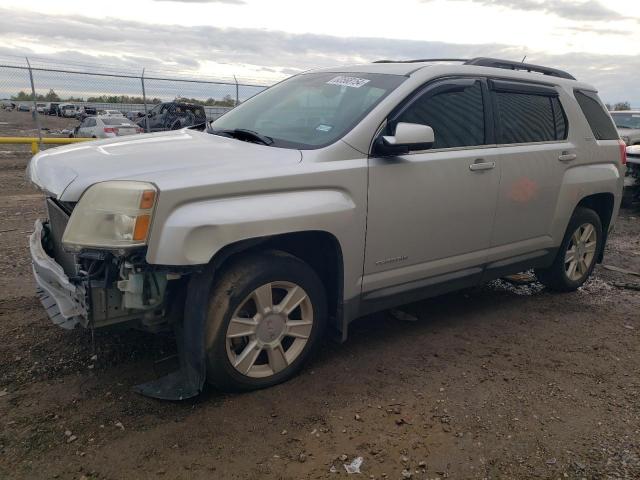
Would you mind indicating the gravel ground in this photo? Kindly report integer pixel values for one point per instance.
(493, 382)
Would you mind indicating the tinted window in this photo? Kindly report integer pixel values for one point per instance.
(597, 116)
(525, 118)
(457, 117)
(560, 119)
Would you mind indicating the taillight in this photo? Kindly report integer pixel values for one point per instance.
(139, 130)
(110, 130)
(623, 152)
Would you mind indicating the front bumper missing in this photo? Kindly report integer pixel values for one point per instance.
(63, 301)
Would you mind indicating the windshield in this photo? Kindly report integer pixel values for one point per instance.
(626, 120)
(310, 110)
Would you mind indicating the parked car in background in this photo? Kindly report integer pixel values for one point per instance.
(134, 115)
(111, 113)
(105, 126)
(68, 110)
(632, 177)
(23, 107)
(628, 125)
(53, 109)
(41, 107)
(333, 194)
(86, 111)
(8, 104)
(173, 116)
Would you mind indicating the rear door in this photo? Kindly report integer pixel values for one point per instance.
(430, 213)
(533, 153)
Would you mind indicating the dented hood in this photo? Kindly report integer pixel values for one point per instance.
(66, 172)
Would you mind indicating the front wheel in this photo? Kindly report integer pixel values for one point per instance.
(577, 255)
(266, 316)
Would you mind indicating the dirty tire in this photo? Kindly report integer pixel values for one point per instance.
(556, 276)
(230, 292)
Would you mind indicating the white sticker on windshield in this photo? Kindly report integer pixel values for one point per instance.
(345, 81)
(324, 128)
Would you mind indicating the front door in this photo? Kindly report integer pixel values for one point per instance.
(430, 213)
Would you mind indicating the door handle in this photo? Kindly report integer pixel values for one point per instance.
(480, 165)
(567, 157)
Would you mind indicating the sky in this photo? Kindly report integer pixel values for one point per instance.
(262, 41)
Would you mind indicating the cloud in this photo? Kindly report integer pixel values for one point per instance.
(232, 2)
(589, 10)
(129, 45)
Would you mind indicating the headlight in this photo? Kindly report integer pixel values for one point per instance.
(111, 215)
(626, 140)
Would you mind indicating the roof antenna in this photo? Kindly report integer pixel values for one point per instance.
(523, 59)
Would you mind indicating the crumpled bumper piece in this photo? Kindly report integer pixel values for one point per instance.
(63, 301)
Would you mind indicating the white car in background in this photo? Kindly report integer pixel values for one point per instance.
(68, 110)
(104, 126)
(112, 113)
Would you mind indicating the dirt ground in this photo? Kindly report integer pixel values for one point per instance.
(493, 382)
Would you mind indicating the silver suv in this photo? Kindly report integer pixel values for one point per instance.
(333, 194)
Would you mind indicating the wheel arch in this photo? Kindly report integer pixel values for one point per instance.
(603, 204)
(320, 249)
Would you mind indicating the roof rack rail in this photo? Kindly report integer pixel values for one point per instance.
(509, 65)
(424, 60)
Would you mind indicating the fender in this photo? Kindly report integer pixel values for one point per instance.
(580, 182)
(193, 233)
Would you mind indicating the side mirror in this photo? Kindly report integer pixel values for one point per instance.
(408, 137)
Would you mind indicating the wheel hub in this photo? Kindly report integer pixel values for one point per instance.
(270, 329)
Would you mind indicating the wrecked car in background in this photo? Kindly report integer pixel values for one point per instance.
(173, 116)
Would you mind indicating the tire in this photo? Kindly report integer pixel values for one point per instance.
(562, 276)
(261, 353)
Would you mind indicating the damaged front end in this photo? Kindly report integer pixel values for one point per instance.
(99, 288)
(95, 289)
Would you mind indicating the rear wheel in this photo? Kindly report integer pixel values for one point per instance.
(266, 317)
(577, 255)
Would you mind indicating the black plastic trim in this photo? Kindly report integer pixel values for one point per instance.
(522, 87)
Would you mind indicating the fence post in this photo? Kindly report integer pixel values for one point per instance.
(35, 107)
(144, 100)
(237, 91)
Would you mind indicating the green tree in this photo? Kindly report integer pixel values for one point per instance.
(622, 106)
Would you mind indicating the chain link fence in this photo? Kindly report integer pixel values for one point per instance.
(42, 98)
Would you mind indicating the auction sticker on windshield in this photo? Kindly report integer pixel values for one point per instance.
(342, 80)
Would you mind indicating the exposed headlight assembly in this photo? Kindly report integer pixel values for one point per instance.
(111, 215)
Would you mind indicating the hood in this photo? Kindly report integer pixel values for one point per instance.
(66, 172)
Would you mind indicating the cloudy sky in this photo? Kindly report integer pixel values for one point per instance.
(598, 42)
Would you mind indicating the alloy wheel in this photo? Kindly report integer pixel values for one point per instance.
(580, 252)
(269, 329)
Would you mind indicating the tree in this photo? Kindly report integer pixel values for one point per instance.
(52, 96)
(622, 106)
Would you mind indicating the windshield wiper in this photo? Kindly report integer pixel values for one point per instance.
(244, 134)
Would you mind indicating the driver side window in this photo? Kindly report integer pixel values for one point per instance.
(456, 117)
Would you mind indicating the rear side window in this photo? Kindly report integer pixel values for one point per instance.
(457, 117)
(529, 117)
(597, 116)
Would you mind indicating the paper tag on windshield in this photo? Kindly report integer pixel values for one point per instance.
(345, 81)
